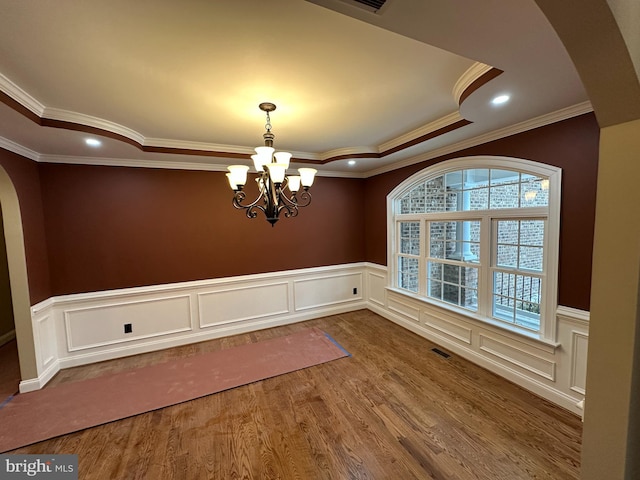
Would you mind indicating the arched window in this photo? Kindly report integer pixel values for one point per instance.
(479, 235)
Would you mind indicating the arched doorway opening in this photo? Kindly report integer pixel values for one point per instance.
(17, 272)
(601, 39)
(9, 363)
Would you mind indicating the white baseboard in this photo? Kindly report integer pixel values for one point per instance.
(80, 329)
(86, 328)
(554, 370)
(527, 382)
(126, 350)
(37, 383)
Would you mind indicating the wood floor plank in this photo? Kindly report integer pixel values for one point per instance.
(393, 410)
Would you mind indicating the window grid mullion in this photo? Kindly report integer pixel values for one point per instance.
(485, 292)
(526, 290)
(424, 248)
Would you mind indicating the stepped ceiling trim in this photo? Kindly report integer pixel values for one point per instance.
(19, 100)
(357, 92)
(541, 121)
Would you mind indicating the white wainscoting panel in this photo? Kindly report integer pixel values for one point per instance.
(377, 283)
(406, 309)
(517, 354)
(45, 343)
(553, 370)
(329, 290)
(238, 304)
(46, 333)
(97, 326)
(579, 344)
(445, 325)
(573, 333)
(84, 328)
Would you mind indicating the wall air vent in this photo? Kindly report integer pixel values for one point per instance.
(368, 5)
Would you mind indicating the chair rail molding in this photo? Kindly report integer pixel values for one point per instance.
(80, 329)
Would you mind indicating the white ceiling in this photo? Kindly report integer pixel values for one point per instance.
(191, 74)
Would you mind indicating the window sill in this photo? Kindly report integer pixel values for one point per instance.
(484, 322)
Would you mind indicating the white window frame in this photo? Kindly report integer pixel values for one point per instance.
(551, 244)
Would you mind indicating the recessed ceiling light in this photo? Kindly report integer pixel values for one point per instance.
(500, 99)
(351, 162)
(92, 142)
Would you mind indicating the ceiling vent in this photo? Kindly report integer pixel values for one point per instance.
(373, 6)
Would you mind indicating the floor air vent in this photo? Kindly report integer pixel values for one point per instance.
(440, 352)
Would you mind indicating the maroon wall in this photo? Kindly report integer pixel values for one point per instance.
(24, 175)
(572, 145)
(90, 228)
(116, 227)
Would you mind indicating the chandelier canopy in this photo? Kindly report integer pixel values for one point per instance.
(272, 179)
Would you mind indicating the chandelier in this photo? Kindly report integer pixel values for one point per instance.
(271, 168)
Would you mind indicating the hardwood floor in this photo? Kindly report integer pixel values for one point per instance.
(394, 410)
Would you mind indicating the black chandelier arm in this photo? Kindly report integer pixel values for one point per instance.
(286, 201)
(290, 208)
(251, 208)
(274, 201)
(272, 198)
(271, 194)
(304, 198)
(290, 204)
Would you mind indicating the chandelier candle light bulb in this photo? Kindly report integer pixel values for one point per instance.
(271, 168)
(283, 157)
(237, 176)
(293, 183)
(306, 176)
(277, 172)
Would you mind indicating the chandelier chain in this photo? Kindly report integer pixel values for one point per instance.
(268, 124)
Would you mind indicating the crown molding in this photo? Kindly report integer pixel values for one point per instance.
(201, 146)
(131, 162)
(472, 74)
(94, 122)
(233, 150)
(474, 77)
(563, 114)
(57, 117)
(60, 118)
(434, 126)
(20, 96)
(169, 165)
(537, 122)
(348, 152)
(19, 149)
